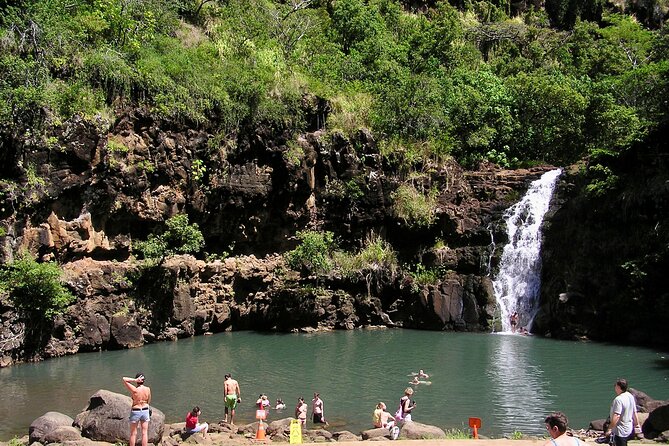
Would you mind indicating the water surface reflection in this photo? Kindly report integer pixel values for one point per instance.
(520, 390)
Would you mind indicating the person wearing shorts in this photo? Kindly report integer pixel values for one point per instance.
(232, 397)
(140, 411)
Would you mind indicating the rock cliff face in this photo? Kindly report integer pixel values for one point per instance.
(606, 257)
(86, 196)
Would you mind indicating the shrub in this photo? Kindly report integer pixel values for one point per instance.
(180, 237)
(314, 251)
(35, 288)
(424, 276)
(377, 259)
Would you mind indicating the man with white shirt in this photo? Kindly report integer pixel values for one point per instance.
(623, 415)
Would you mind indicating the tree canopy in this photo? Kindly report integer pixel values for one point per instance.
(473, 80)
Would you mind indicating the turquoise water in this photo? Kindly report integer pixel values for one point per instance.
(511, 382)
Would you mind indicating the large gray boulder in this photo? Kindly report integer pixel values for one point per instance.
(61, 434)
(106, 419)
(48, 422)
(380, 432)
(279, 426)
(644, 402)
(418, 431)
(345, 436)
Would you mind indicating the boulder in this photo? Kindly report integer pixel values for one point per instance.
(345, 436)
(374, 433)
(279, 426)
(62, 434)
(597, 425)
(84, 442)
(316, 435)
(106, 419)
(657, 422)
(418, 431)
(644, 402)
(48, 422)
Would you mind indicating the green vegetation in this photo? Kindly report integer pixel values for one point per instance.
(473, 80)
(375, 258)
(317, 254)
(35, 288)
(314, 252)
(424, 276)
(179, 237)
(413, 206)
(457, 434)
(516, 435)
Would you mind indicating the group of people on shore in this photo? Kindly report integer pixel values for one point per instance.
(623, 422)
(622, 425)
(141, 410)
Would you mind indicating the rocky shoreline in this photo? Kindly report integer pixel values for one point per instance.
(104, 422)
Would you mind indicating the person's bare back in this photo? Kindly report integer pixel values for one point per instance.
(231, 387)
(141, 397)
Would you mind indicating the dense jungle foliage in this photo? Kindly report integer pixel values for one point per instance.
(474, 80)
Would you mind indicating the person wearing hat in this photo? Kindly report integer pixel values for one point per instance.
(141, 397)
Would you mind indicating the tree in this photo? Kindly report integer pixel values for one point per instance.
(313, 253)
(35, 288)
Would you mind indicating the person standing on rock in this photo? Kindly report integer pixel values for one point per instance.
(623, 415)
(556, 425)
(233, 395)
(141, 398)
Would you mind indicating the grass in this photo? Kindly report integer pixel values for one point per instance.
(457, 434)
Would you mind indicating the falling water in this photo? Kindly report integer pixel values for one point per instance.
(519, 278)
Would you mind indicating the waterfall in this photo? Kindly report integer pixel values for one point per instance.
(519, 278)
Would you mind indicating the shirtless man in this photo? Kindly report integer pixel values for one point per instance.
(141, 397)
(232, 396)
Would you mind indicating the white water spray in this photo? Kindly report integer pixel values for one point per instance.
(519, 278)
